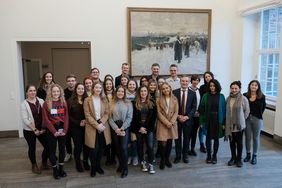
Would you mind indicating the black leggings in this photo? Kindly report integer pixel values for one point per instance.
(195, 127)
(30, 138)
(77, 134)
(215, 145)
(236, 141)
(97, 152)
(52, 142)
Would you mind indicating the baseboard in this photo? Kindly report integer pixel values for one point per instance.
(266, 134)
(9, 134)
(277, 139)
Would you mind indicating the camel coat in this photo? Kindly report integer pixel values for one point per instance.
(164, 132)
(91, 122)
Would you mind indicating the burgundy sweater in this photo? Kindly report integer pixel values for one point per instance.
(58, 113)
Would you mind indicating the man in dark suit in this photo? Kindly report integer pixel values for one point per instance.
(187, 106)
(155, 68)
(124, 71)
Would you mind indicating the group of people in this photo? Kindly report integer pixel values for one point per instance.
(135, 124)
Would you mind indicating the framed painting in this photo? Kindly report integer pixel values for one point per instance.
(169, 36)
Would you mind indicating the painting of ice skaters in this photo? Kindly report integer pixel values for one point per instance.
(169, 37)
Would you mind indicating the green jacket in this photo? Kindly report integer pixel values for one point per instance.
(204, 111)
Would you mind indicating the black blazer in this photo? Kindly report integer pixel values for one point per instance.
(191, 104)
(150, 121)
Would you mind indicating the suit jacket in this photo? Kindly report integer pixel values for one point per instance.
(191, 104)
(91, 122)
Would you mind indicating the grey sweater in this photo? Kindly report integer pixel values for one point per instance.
(122, 111)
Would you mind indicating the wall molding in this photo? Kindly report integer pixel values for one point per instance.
(9, 134)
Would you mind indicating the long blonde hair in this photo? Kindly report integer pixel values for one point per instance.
(49, 97)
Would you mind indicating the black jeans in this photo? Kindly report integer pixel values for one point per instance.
(52, 143)
(186, 131)
(236, 141)
(149, 139)
(30, 138)
(68, 142)
(195, 127)
(97, 152)
(121, 143)
(77, 134)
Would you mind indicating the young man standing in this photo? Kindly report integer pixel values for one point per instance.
(155, 68)
(71, 81)
(124, 72)
(173, 80)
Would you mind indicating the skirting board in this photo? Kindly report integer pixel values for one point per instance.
(277, 139)
(9, 134)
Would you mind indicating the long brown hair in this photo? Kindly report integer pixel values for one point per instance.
(115, 99)
(102, 95)
(74, 97)
(138, 103)
(259, 93)
(49, 97)
(42, 83)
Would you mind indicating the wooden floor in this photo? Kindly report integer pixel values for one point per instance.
(15, 171)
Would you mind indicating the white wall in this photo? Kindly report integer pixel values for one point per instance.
(104, 24)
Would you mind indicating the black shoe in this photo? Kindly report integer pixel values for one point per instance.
(62, 173)
(239, 164)
(208, 160)
(176, 160)
(99, 170)
(162, 164)
(231, 162)
(56, 173)
(124, 173)
(86, 165)
(185, 159)
(248, 157)
(193, 153)
(93, 172)
(168, 163)
(254, 160)
(79, 167)
(119, 169)
(203, 149)
(214, 159)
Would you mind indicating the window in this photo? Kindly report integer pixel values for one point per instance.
(269, 51)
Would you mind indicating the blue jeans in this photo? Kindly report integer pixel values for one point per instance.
(253, 128)
(149, 139)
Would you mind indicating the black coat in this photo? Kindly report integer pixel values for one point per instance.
(150, 120)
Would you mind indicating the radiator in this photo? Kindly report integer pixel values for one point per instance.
(268, 121)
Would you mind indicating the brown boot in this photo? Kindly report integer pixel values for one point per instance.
(35, 169)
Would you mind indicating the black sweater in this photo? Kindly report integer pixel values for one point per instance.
(149, 123)
(257, 107)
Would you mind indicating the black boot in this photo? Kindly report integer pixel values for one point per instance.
(93, 171)
(78, 166)
(86, 165)
(124, 172)
(214, 159)
(167, 155)
(254, 159)
(248, 157)
(162, 154)
(231, 162)
(62, 173)
(208, 160)
(56, 173)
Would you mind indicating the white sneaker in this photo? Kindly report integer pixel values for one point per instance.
(152, 169)
(135, 161)
(129, 160)
(67, 157)
(144, 166)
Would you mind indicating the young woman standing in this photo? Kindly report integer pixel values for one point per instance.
(97, 131)
(254, 122)
(237, 111)
(167, 112)
(56, 119)
(88, 83)
(120, 119)
(31, 111)
(77, 123)
(143, 125)
(46, 81)
(212, 117)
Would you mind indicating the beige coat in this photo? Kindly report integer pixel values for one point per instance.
(164, 131)
(91, 123)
